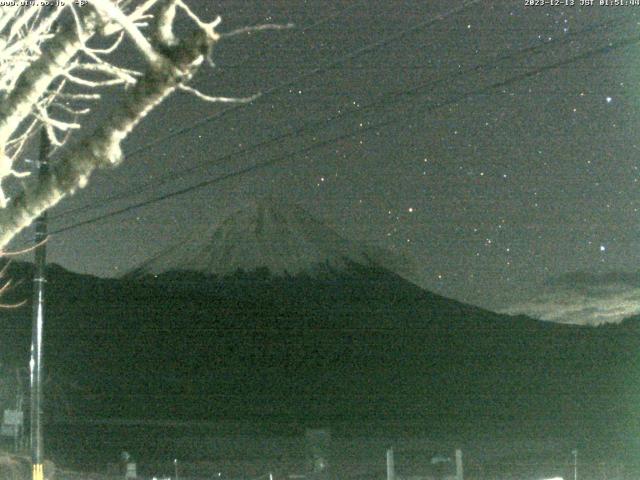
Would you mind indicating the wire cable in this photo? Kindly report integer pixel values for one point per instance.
(323, 68)
(314, 125)
(500, 84)
(235, 107)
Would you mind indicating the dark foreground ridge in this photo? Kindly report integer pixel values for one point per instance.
(356, 349)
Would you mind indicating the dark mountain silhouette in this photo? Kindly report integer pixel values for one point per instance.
(274, 319)
(357, 346)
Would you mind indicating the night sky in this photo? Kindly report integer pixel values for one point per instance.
(493, 143)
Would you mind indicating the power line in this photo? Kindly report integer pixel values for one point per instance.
(313, 125)
(591, 53)
(350, 56)
(342, 136)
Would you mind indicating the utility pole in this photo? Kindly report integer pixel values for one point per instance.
(391, 467)
(575, 464)
(35, 364)
(459, 468)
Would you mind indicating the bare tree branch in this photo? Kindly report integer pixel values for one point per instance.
(52, 72)
(257, 28)
(208, 98)
(102, 147)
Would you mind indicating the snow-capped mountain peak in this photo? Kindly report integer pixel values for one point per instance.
(284, 239)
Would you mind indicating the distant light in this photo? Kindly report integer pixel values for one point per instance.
(602, 248)
(609, 99)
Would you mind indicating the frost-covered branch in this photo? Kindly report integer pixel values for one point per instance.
(257, 28)
(102, 147)
(209, 98)
(34, 81)
(39, 46)
(111, 11)
(58, 60)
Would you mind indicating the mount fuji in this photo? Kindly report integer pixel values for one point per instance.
(271, 316)
(283, 239)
